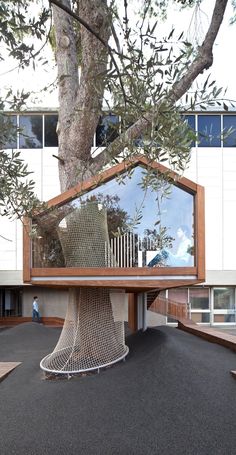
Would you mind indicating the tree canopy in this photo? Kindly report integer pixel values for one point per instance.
(108, 57)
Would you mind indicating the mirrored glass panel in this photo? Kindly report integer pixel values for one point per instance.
(229, 130)
(107, 130)
(224, 298)
(199, 298)
(31, 128)
(191, 120)
(8, 125)
(224, 318)
(209, 130)
(125, 222)
(50, 134)
(200, 317)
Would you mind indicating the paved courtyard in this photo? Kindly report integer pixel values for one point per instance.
(173, 395)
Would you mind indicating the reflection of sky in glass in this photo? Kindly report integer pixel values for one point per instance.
(192, 125)
(209, 130)
(229, 121)
(176, 210)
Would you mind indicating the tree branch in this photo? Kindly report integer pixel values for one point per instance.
(203, 61)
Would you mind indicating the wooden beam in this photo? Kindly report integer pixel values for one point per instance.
(132, 312)
(200, 232)
(136, 272)
(6, 368)
(26, 250)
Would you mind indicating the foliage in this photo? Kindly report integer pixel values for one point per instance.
(117, 218)
(18, 22)
(159, 238)
(17, 196)
(149, 67)
(142, 73)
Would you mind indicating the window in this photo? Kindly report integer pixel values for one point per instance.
(107, 130)
(224, 299)
(9, 131)
(229, 130)
(200, 317)
(31, 131)
(200, 304)
(199, 298)
(224, 305)
(209, 130)
(10, 302)
(141, 228)
(191, 120)
(50, 134)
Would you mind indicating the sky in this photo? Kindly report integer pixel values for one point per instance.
(195, 23)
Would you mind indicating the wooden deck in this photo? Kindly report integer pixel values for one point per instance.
(207, 333)
(6, 368)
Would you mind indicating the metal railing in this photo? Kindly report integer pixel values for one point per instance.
(128, 250)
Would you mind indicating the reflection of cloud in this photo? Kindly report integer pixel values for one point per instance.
(177, 209)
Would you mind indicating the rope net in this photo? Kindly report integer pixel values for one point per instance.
(93, 333)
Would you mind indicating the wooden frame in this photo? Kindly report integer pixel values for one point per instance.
(131, 279)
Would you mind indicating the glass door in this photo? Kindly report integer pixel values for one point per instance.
(224, 305)
(200, 304)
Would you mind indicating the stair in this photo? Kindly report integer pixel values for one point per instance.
(167, 307)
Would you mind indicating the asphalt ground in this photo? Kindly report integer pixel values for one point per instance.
(174, 395)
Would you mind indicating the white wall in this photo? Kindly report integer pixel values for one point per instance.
(214, 168)
(52, 302)
(45, 174)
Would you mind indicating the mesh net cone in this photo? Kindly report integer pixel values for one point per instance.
(93, 333)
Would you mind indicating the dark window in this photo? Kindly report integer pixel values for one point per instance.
(107, 130)
(8, 131)
(209, 131)
(229, 130)
(50, 134)
(191, 120)
(10, 302)
(30, 131)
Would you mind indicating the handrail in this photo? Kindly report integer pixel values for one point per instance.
(171, 308)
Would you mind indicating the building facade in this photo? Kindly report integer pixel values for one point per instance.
(212, 164)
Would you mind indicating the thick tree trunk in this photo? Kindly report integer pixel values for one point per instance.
(95, 341)
(80, 100)
(80, 91)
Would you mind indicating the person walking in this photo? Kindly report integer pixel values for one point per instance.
(35, 310)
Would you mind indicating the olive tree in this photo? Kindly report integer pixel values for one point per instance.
(105, 56)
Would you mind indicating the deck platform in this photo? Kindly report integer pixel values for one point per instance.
(6, 368)
(210, 334)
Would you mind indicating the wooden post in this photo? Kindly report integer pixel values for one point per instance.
(132, 312)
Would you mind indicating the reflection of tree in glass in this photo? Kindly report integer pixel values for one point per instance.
(117, 218)
(36, 125)
(157, 239)
(31, 131)
(107, 130)
(8, 131)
